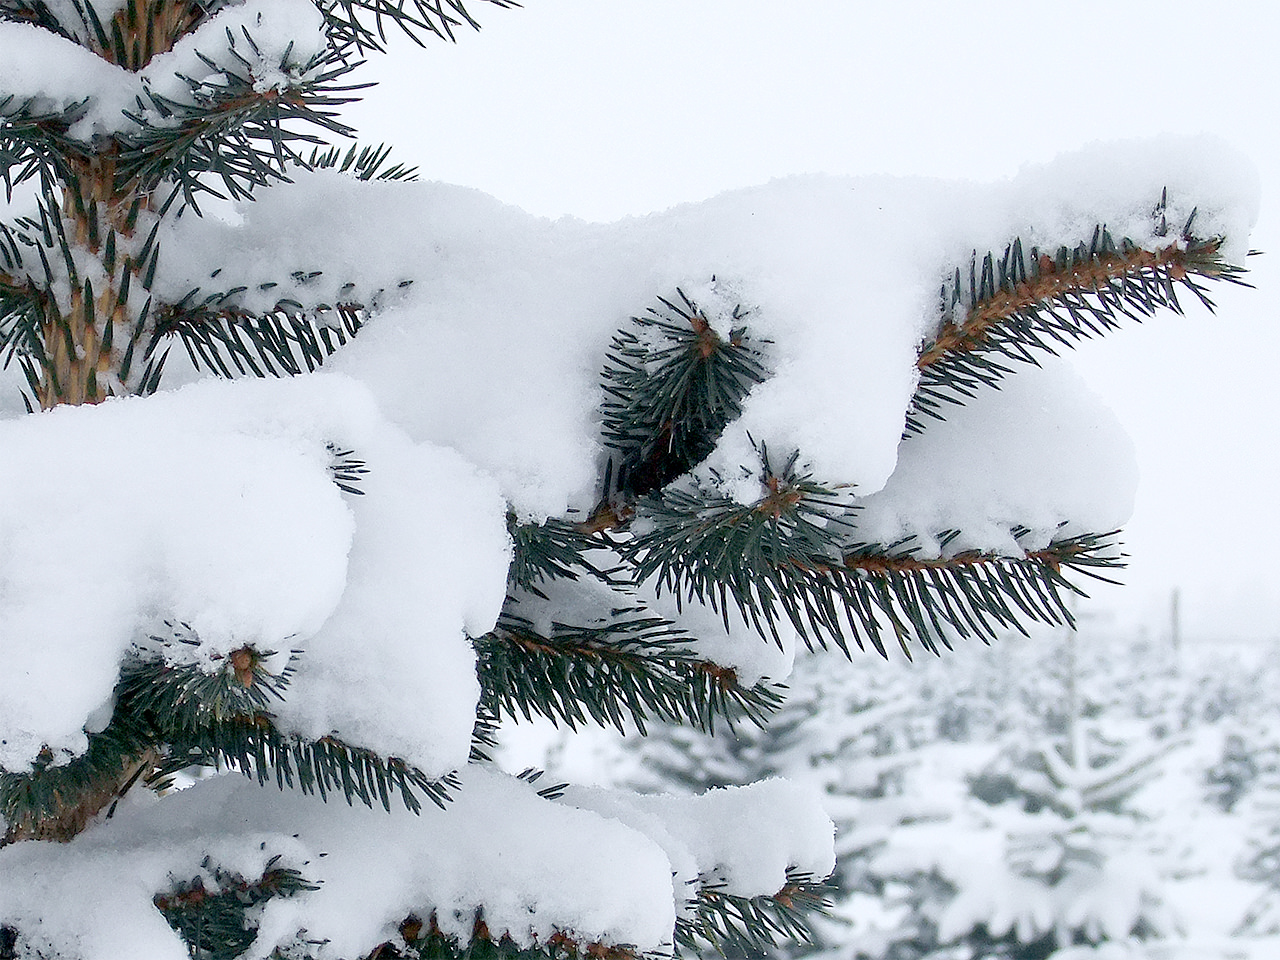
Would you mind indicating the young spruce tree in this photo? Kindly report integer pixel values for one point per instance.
(123, 123)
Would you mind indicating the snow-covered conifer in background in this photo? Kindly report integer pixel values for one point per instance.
(605, 474)
(1067, 858)
(980, 843)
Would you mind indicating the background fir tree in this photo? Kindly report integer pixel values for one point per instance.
(344, 583)
(976, 841)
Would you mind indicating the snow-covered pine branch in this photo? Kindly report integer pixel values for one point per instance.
(314, 580)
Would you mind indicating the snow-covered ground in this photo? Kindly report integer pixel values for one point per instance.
(951, 820)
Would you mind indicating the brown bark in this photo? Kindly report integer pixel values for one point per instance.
(80, 366)
(1082, 278)
(82, 345)
(74, 813)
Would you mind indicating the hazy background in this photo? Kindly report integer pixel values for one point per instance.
(605, 108)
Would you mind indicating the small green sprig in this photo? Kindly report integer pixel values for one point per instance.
(221, 719)
(363, 163)
(232, 131)
(360, 26)
(759, 557)
(671, 384)
(555, 549)
(290, 339)
(737, 926)
(219, 922)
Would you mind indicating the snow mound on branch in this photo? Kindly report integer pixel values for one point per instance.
(535, 866)
(286, 36)
(1034, 453)
(496, 347)
(54, 73)
(215, 506)
(729, 837)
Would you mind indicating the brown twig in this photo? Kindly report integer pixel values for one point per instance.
(1090, 276)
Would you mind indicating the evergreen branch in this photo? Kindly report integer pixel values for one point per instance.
(632, 669)
(736, 926)
(484, 735)
(35, 12)
(356, 26)
(171, 716)
(671, 384)
(55, 801)
(220, 719)
(154, 705)
(254, 747)
(48, 313)
(233, 130)
(137, 31)
(552, 550)
(220, 923)
(1026, 303)
(286, 341)
(34, 141)
(347, 470)
(33, 329)
(972, 593)
(23, 311)
(363, 163)
(788, 557)
(188, 696)
(714, 548)
(141, 29)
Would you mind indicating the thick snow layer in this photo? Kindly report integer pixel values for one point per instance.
(729, 837)
(1038, 452)
(598, 865)
(55, 74)
(215, 506)
(496, 347)
(473, 388)
(535, 867)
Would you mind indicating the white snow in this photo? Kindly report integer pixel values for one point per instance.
(475, 389)
(1037, 452)
(497, 346)
(215, 506)
(55, 73)
(729, 837)
(534, 867)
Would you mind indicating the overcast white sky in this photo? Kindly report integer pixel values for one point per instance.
(606, 108)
